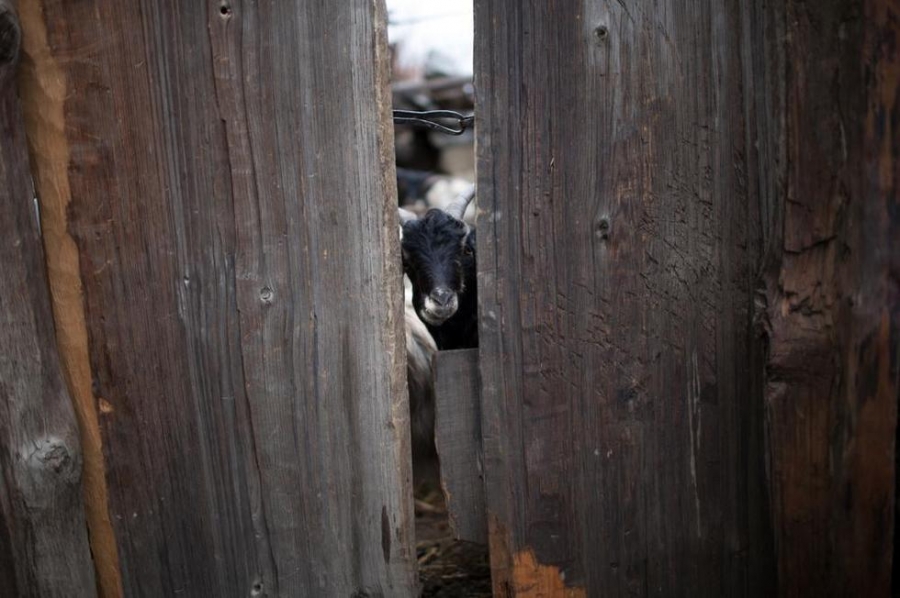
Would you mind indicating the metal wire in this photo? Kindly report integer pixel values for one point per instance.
(435, 119)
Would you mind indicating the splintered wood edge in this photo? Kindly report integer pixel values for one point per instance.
(392, 276)
(42, 84)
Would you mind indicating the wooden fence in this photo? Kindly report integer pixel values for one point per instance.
(689, 295)
(219, 177)
(689, 290)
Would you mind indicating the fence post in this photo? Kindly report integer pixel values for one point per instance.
(230, 198)
(829, 305)
(688, 285)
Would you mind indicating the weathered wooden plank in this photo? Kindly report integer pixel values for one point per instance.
(229, 167)
(648, 172)
(830, 281)
(618, 246)
(44, 547)
(42, 87)
(457, 433)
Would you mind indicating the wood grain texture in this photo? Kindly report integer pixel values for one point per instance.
(44, 547)
(229, 166)
(457, 433)
(688, 238)
(830, 282)
(618, 251)
(43, 89)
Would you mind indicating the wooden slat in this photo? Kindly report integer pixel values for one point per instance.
(42, 87)
(687, 238)
(618, 247)
(44, 547)
(831, 283)
(457, 432)
(230, 180)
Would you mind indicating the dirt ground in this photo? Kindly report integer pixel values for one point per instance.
(448, 568)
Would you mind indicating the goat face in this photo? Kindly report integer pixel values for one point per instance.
(436, 250)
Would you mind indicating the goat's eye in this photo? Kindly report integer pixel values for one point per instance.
(468, 251)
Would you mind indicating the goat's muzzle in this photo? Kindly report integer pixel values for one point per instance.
(440, 305)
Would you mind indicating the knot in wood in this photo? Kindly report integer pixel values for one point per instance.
(601, 33)
(53, 471)
(602, 229)
(54, 457)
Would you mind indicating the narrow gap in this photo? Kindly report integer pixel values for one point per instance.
(431, 46)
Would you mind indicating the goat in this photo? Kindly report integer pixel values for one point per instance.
(439, 259)
(420, 350)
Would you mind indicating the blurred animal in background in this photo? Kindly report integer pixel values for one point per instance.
(420, 350)
(420, 190)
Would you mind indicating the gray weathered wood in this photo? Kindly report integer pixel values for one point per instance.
(232, 204)
(44, 548)
(618, 246)
(457, 432)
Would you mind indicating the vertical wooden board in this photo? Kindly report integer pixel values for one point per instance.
(44, 548)
(618, 246)
(457, 435)
(42, 88)
(831, 294)
(229, 165)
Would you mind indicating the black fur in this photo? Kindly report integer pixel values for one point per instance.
(439, 250)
